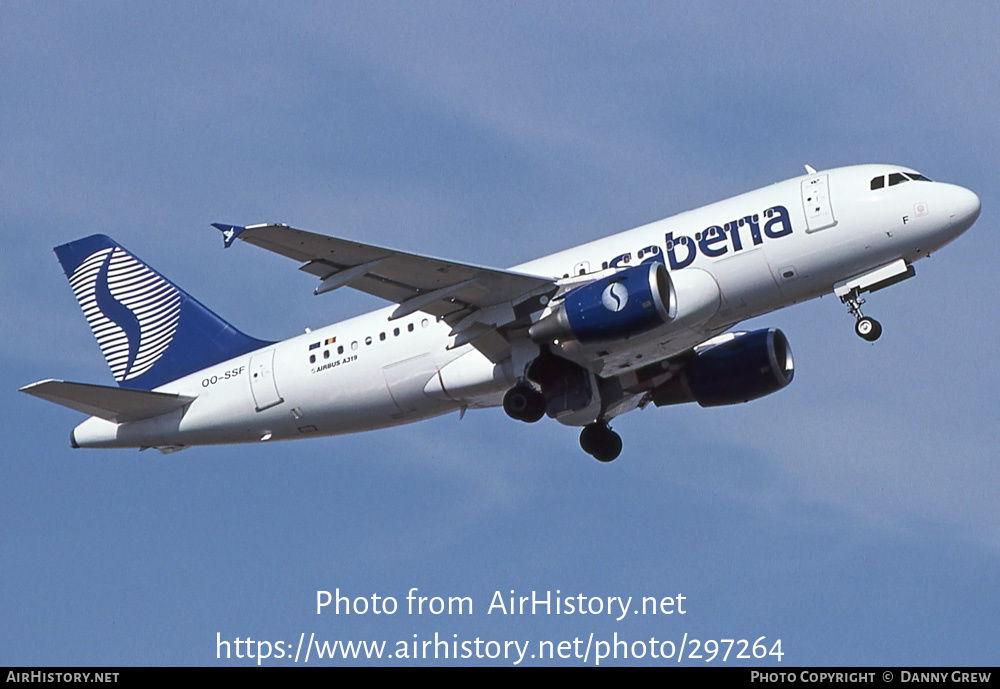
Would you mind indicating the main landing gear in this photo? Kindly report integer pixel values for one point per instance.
(600, 442)
(867, 328)
(524, 403)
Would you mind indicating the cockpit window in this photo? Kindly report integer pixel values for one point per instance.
(897, 178)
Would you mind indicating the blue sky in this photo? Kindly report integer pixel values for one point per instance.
(853, 515)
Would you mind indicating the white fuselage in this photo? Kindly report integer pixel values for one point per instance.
(371, 372)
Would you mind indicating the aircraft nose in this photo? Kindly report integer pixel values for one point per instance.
(964, 208)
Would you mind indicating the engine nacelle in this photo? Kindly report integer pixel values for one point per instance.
(746, 368)
(630, 302)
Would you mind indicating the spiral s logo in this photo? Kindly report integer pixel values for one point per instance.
(615, 297)
(132, 311)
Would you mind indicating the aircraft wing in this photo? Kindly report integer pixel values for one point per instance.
(473, 299)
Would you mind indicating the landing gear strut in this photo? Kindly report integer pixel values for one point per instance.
(866, 328)
(524, 403)
(600, 442)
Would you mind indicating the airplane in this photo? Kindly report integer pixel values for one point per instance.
(581, 336)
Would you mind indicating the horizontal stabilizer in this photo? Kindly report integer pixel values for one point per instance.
(118, 405)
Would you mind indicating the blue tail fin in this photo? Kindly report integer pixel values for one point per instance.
(150, 331)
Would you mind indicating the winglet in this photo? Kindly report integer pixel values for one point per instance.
(229, 232)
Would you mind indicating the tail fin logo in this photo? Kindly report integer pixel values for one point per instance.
(132, 311)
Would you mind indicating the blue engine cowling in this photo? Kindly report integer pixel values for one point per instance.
(630, 302)
(748, 367)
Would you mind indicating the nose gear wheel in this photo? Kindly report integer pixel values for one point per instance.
(866, 327)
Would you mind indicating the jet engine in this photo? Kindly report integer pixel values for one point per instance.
(748, 367)
(631, 302)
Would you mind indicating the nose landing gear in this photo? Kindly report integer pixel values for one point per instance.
(866, 328)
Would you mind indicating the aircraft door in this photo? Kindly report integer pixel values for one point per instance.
(816, 203)
(262, 385)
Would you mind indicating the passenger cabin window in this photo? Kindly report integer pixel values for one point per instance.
(878, 182)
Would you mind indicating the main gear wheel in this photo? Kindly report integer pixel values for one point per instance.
(524, 403)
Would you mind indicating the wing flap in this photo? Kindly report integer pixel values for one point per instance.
(118, 405)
